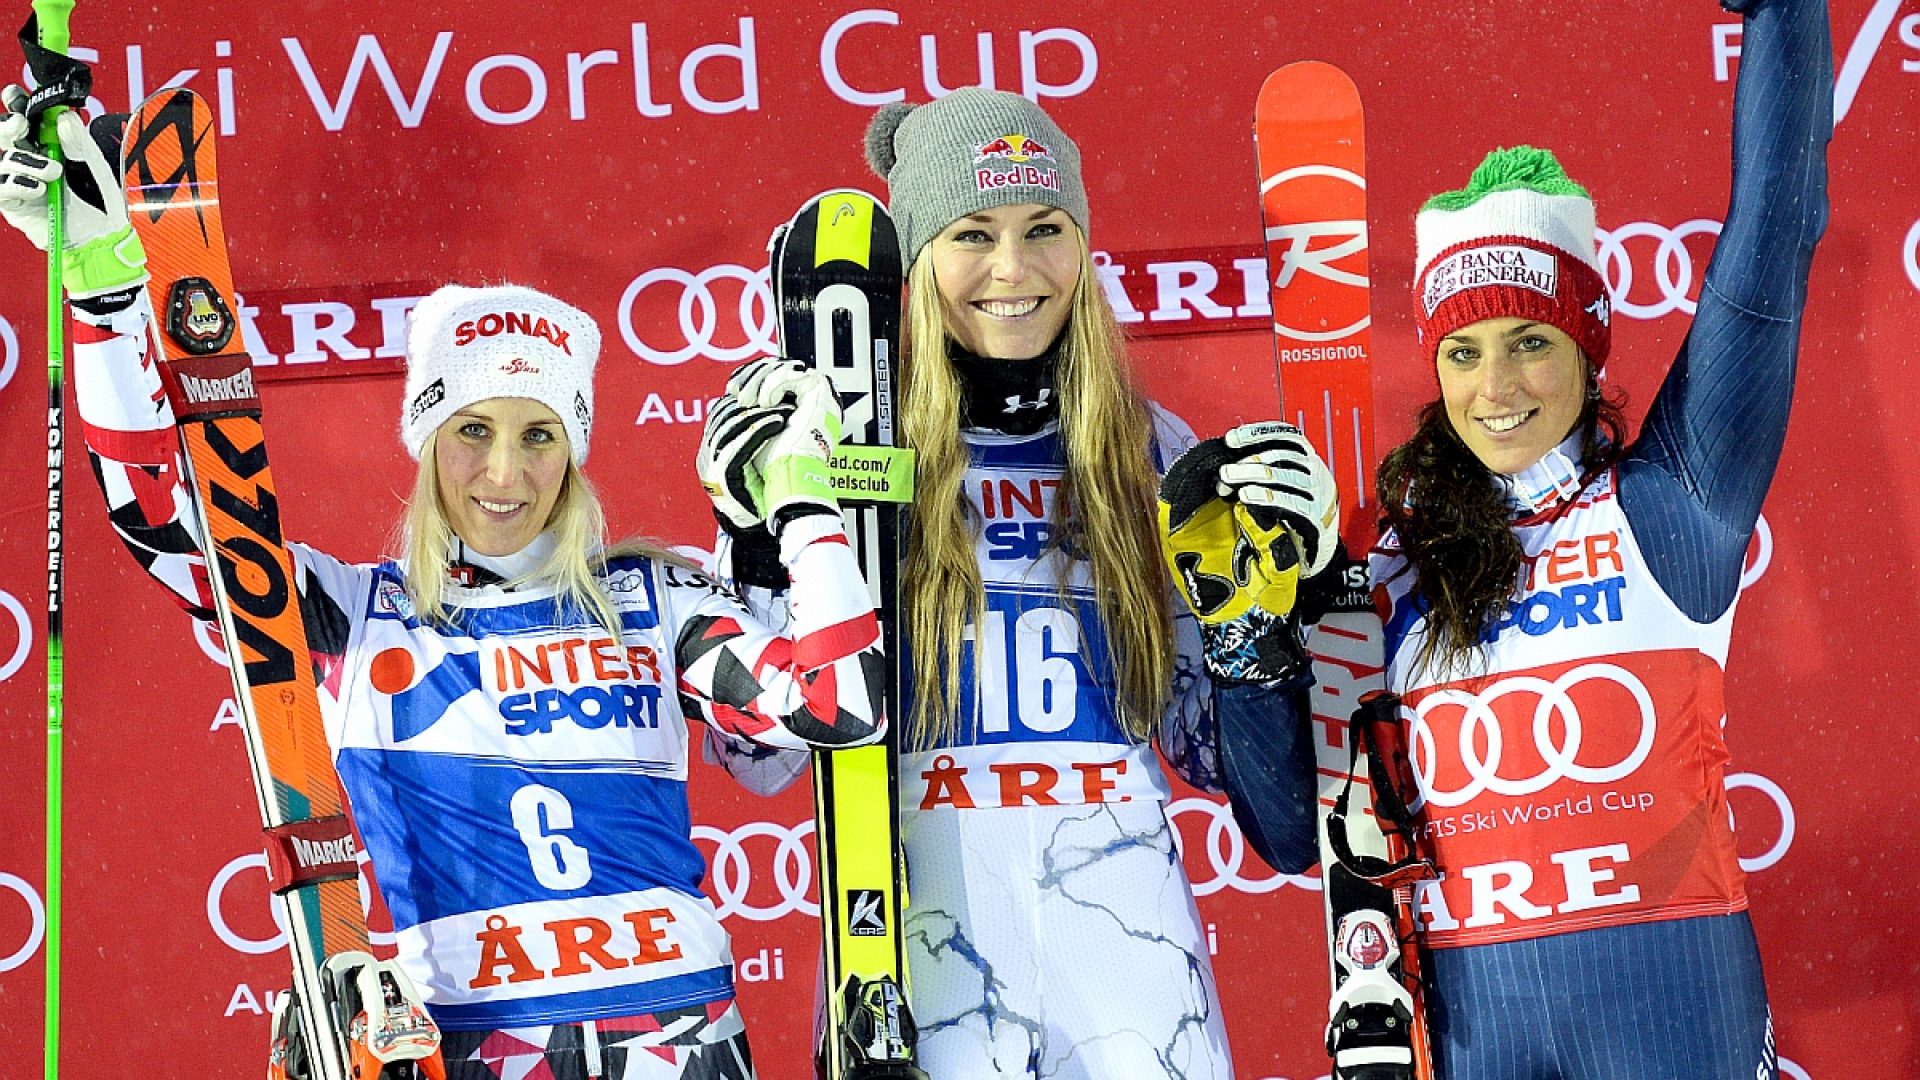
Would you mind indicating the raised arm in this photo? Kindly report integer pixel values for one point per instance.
(1694, 480)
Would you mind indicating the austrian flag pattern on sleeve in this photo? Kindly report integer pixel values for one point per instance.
(1581, 785)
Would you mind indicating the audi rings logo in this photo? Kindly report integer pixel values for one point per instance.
(10, 350)
(1759, 554)
(1910, 253)
(1672, 266)
(23, 636)
(1481, 741)
(723, 313)
(1225, 850)
(38, 911)
(788, 850)
(737, 858)
(208, 637)
(222, 918)
(1782, 806)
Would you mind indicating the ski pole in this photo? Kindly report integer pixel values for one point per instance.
(51, 16)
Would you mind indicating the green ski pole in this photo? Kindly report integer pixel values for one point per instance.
(51, 16)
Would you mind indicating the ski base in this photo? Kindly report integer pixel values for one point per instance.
(173, 200)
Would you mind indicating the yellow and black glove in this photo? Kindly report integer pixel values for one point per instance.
(1242, 517)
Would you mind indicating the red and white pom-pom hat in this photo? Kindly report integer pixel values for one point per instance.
(1517, 241)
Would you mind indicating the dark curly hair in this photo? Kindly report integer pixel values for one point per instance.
(1454, 526)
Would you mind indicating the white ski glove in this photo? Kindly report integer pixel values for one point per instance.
(103, 253)
(1278, 475)
(728, 462)
(793, 464)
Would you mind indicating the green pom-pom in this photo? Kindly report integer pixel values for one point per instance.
(1510, 169)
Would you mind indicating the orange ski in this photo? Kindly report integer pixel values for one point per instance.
(173, 199)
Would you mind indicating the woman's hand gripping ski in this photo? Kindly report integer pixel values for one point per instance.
(1244, 519)
(763, 457)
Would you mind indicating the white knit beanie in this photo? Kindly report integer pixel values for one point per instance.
(466, 345)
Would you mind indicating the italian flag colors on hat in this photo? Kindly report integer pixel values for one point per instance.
(1516, 241)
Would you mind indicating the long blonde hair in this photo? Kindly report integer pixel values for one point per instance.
(1104, 509)
(578, 557)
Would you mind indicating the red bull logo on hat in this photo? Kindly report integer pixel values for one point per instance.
(1019, 152)
(1015, 148)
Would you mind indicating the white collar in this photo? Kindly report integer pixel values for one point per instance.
(516, 568)
(1553, 479)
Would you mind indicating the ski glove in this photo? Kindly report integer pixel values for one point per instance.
(1282, 482)
(103, 254)
(793, 464)
(1237, 567)
(728, 461)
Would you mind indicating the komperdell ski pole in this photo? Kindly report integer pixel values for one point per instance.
(347, 1016)
(61, 83)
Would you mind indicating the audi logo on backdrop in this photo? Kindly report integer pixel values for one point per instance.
(1759, 554)
(1479, 727)
(668, 315)
(763, 870)
(23, 635)
(789, 866)
(236, 938)
(1910, 253)
(1225, 848)
(208, 637)
(1781, 804)
(9, 353)
(1672, 276)
(16, 884)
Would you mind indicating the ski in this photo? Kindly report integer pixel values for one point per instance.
(1310, 139)
(837, 282)
(325, 1028)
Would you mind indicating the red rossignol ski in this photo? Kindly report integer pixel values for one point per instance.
(1310, 135)
(348, 1016)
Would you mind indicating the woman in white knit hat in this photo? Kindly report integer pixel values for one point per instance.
(1559, 602)
(508, 702)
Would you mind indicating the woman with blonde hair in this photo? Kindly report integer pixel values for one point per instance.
(1051, 927)
(508, 703)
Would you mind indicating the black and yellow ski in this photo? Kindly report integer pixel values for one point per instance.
(837, 278)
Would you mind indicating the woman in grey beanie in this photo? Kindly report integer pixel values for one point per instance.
(1051, 925)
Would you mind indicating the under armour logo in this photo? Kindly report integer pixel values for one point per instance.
(1015, 403)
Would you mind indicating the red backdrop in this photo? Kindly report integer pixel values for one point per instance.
(634, 162)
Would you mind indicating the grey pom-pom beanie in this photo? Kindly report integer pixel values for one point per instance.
(969, 151)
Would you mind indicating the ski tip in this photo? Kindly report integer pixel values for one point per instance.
(1306, 87)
